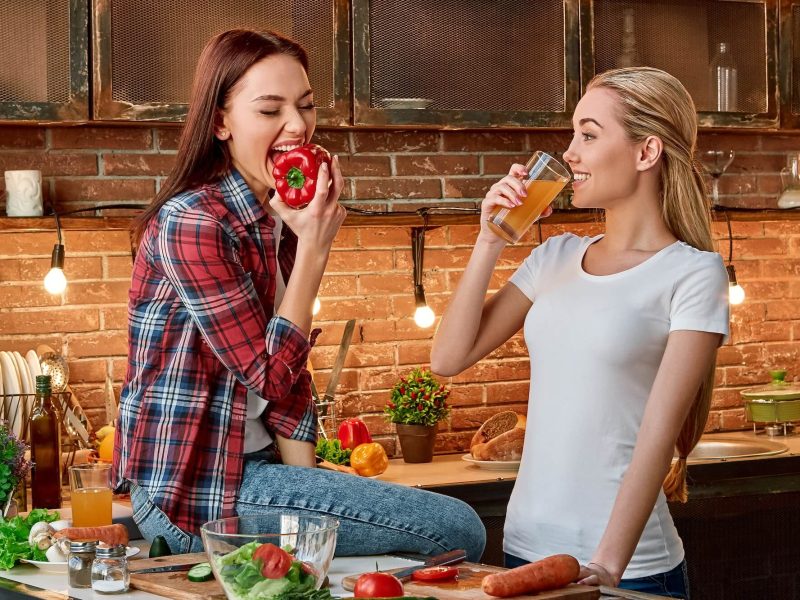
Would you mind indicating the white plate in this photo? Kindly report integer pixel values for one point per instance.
(24, 374)
(61, 567)
(12, 387)
(33, 364)
(492, 465)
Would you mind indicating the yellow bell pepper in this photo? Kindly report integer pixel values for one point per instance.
(369, 459)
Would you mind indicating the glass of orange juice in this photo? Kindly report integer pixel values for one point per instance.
(546, 177)
(90, 494)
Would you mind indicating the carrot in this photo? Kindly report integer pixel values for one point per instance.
(109, 534)
(549, 573)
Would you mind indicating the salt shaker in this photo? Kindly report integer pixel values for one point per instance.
(110, 570)
(79, 564)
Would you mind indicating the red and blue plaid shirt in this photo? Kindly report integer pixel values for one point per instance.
(202, 333)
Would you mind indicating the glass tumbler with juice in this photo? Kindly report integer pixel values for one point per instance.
(90, 495)
(546, 177)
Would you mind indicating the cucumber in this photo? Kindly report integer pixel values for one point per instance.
(200, 572)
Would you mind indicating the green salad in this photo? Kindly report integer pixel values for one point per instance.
(266, 572)
(14, 534)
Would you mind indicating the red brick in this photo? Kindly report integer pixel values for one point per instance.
(114, 317)
(349, 261)
(497, 165)
(348, 381)
(464, 235)
(746, 375)
(781, 228)
(23, 343)
(507, 393)
(104, 190)
(101, 137)
(26, 296)
(484, 141)
(16, 244)
(770, 184)
(65, 319)
(472, 418)
(407, 329)
(733, 419)
(713, 423)
(757, 163)
(338, 285)
(87, 371)
(416, 353)
(353, 307)
(782, 310)
(467, 187)
(34, 269)
(554, 142)
(767, 290)
(736, 184)
(395, 141)
(486, 371)
(359, 403)
(111, 240)
(336, 141)
(97, 292)
(119, 367)
(782, 142)
(726, 399)
(381, 378)
(138, 164)
(466, 395)
(745, 141)
(759, 248)
(50, 163)
(356, 165)
(99, 343)
(168, 137)
(397, 188)
(436, 164)
(118, 267)
(360, 355)
(513, 348)
(385, 237)
(346, 238)
(378, 330)
(22, 137)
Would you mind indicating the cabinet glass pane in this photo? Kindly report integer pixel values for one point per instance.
(35, 51)
(156, 44)
(467, 54)
(683, 37)
(796, 59)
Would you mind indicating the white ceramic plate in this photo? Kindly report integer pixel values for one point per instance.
(12, 387)
(24, 374)
(492, 465)
(33, 364)
(61, 567)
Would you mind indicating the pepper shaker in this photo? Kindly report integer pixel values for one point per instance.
(79, 564)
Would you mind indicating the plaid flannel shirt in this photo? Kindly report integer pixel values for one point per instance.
(200, 303)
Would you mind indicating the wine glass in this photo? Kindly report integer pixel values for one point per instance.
(716, 162)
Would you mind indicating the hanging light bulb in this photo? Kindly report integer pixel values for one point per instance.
(316, 307)
(423, 316)
(55, 282)
(736, 293)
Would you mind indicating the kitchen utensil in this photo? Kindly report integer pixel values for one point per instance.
(325, 406)
(56, 366)
(12, 590)
(175, 584)
(75, 421)
(776, 402)
(404, 573)
(790, 178)
(717, 162)
(628, 594)
(167, 568)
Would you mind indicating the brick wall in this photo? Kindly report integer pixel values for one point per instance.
(369, 274)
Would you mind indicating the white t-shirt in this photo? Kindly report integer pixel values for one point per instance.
(256, 436)
(595, 344)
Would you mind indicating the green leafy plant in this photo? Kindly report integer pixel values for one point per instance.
(418, 399)
(13, 466)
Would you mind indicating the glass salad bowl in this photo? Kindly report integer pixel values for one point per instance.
(259, 557)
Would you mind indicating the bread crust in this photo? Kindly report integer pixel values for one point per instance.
(500, 437)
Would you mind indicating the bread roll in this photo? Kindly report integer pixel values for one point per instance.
(500, 437)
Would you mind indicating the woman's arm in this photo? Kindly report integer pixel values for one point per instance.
(687, 358)
(470, 329)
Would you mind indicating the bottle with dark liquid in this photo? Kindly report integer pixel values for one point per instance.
(45, 435)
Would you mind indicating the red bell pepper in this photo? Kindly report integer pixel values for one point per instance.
(353, 432)
(295, 173)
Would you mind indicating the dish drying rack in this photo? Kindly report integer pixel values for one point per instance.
(15, 413)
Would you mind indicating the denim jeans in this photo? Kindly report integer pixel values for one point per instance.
(671, 584)
(374, 517)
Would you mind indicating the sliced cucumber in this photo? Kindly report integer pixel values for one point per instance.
(200, 572)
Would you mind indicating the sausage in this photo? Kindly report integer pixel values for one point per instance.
(108, 534)
(549, 573)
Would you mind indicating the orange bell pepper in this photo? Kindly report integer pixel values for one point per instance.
(369, 459)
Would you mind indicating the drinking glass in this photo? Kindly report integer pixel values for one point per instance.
(90, 494)
(546, 177)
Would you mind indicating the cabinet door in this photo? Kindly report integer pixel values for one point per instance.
(43, 60)
(465, 63)
(145, 51)
(685, 38)
(790, 63)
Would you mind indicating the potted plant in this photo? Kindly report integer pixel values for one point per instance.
(417, 405)
(13, 469)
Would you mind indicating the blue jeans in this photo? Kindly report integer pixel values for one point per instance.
(672, 584)
(374, 517)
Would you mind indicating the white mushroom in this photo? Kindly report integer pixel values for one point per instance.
(37, 530)
(42, 541)
(54, 554)
(59, 525)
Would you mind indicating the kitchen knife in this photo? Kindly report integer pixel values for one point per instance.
(446, 558)
(628, 594)
(165, 569)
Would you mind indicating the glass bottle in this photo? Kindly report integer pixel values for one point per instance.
(724, 84)
(79, 564)
(110, 573)
(45, 436)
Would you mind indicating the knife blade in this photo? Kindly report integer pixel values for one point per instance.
(446, 558)
(165, 569)
(627, 594)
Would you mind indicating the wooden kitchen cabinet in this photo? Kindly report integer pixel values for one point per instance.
(465, 63)
(789, 63)
(683, 38)
(145, 51)
(44, 60)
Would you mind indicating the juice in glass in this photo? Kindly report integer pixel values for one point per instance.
(91, 507)
(546, 178)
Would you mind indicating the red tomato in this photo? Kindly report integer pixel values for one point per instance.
(378, 585)
(435, 574)
(275, 562)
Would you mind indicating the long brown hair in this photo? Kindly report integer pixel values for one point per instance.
(202, 158)
(654, 102)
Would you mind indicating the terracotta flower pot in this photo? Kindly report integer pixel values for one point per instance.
(416, 442)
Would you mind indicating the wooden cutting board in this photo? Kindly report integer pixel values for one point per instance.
(175, 585)
(468, 587)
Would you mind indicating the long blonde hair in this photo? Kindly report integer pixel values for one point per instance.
(654, 103)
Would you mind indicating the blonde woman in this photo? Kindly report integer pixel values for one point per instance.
(622, 330)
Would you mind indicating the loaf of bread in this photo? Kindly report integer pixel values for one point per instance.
(500, 437)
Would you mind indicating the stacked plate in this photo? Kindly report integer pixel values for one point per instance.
(17, 386)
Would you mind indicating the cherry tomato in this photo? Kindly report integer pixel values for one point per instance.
(275, 562)
(378, 585)
(440, 573)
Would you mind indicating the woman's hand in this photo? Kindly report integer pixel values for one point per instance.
(509, 192)
(317, 223)
(596, 574)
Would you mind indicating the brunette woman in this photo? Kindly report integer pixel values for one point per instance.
(220, 327)
(622, 330)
